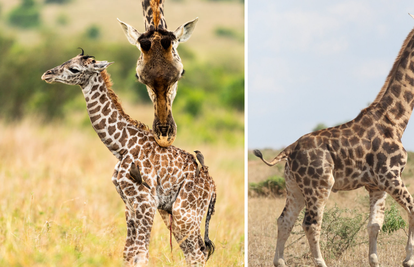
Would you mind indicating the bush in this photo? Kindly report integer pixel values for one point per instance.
(27, 15)
(93, 32)
(273, 186)
(393, 220)
(57, 1)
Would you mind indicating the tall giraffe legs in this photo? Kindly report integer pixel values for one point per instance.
(376, 219)
(286, 221)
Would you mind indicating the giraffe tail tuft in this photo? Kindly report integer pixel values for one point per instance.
(209, 244)
(282, 156)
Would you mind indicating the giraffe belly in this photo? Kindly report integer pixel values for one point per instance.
(352, 181)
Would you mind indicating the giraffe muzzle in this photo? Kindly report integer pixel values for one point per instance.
(165, 134)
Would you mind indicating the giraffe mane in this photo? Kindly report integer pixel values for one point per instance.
(115, 100)
(394, 68)
(155, 6)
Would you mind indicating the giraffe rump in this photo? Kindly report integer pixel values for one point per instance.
(209, 244)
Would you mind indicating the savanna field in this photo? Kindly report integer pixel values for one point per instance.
(344, 238)
(58, 204)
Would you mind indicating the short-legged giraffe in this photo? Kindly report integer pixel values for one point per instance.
(159, 66)
(366, 151)
(168, 172)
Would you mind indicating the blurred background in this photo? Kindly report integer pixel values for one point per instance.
(58, 204)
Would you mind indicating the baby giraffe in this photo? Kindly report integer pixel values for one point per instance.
(167, 174)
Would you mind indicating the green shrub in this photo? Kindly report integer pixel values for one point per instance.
(57, 1)
(62, 19)
(393, 220)
(26, 15)
(272, 186)
(93, 32)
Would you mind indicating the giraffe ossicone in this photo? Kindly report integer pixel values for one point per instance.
(159, 66)
(147, 177)
(365, 152)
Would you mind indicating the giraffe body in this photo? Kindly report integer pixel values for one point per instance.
(365, 152)
(169, 172)
(159, 66)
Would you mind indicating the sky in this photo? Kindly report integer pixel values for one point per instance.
(312, 62)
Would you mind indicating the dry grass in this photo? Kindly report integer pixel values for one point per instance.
(60, 208)
(263, 214)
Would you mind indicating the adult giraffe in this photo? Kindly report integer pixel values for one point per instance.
(159, 66)
(167, 176)
(365, 152)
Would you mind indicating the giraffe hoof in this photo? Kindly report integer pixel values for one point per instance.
(373, 260)
(279, 263)
(409, 263)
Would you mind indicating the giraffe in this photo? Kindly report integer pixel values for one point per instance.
(147, 176)
(159, 66)
(365, 152)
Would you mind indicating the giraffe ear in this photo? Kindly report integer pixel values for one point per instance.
(130, 32)
(101, 65)
(183, 33)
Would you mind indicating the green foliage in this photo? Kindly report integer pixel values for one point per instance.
(393, 220)
(339, 231)
(233, 93)
(272, 186)
(57, 1)
(26, 15)
(229, 33)
(93, 32)
(62, 19)
(319, 126)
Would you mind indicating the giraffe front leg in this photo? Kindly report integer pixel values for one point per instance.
(376, 219)
(399, 192)
(139, 213)
(294, 204)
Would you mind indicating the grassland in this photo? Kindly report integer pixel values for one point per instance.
(58, 206)
(262, 225)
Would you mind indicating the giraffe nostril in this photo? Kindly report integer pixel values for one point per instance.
(145, 45)
(136, 76)
(166, 42)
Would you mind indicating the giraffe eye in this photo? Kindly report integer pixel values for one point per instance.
(73, 70)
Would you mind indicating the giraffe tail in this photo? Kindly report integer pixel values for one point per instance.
(209, 244)
(282, 156)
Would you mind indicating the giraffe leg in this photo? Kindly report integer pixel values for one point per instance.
(190, 241)
(315, 200)
(294, 204)
(399, 192)
(140, 217)
(376, 219)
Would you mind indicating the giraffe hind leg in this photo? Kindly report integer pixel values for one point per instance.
(294, 204)
(376, 219)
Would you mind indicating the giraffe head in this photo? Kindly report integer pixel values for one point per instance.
(76, 71)
(159, 66)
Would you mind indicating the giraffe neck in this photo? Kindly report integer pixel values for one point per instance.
(394, 104)
(108, 119)
(153, 11)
